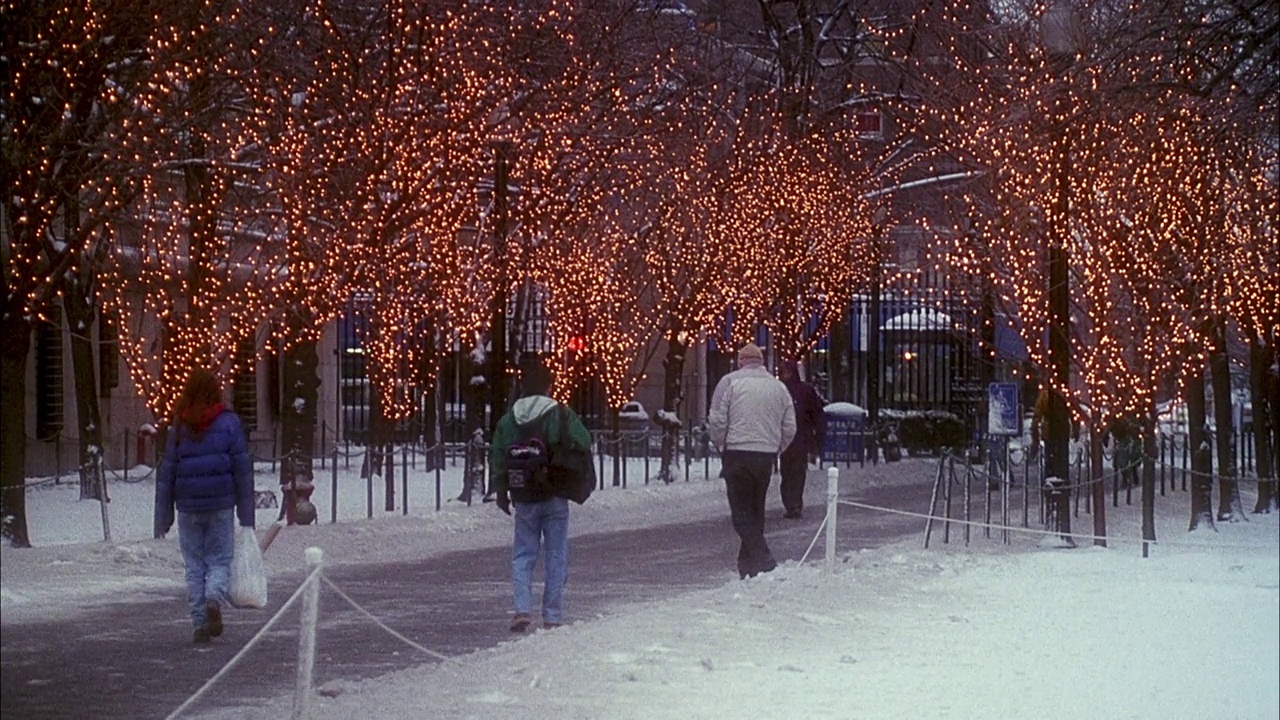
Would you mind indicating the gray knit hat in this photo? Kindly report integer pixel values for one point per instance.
(750, 351)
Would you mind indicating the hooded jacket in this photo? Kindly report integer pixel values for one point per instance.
(532, 416)
(205, 472)
(751, 410)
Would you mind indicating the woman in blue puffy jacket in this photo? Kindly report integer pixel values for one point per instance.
(206, 473)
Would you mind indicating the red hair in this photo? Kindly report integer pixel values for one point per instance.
(200, 393)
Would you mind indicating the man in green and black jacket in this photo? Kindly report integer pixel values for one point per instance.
(541, 510)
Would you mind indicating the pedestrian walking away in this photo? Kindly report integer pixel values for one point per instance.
(526, 471)
(207, 475)
(751, 420)
(1127, 454)
(811, 430)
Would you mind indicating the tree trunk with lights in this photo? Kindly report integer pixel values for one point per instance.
(1097, 489)
(1149, 452)
(1057, 451)
(1229, 506)
(1201, 453)
(430, 404)
(475, 392)
(838, 359)
(617, 447)
(201, 221)
(498, 328)
(301, 381)
(1263, 395)
(672, 396)
(379, 455)
(80, 318)
(62, 61)
(15, 346)
(78, 304)
(1057, 468)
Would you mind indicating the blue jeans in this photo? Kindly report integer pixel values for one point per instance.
(535, 522)
(207, 540)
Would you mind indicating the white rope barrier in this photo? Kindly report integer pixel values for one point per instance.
(1032, 531)
(393, 633)
(814, 541)
(252, 641)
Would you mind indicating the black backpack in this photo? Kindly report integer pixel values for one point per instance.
(528, 466)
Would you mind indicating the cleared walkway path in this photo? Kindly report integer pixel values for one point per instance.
(136, 660)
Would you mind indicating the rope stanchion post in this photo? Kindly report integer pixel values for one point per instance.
(949, 462)
(1160, 443)
(307, 634)
(1186, 461)
(833, 505)
(389, 482)
(466, 478)
(706, 460)
(1006, 479)
(248, 646)
(688, 454)
(933, 506)
(1115, 484)
(100, 480)
(624, 448)
(968, 499)
(986, 502)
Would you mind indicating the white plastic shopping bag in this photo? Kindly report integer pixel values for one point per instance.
(248, 576)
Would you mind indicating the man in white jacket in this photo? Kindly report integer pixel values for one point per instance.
(751, 421)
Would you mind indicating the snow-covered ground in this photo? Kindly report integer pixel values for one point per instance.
(985, 631)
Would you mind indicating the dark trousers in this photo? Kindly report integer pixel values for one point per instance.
(794, 467)
(746, 482)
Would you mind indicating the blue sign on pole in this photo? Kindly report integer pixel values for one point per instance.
(1003, 419)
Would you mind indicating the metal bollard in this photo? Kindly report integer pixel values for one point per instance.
(833, 496)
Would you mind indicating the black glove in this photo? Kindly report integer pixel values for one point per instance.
(504, 502)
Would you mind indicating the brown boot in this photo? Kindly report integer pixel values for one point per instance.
(213, 624)
(520, 622)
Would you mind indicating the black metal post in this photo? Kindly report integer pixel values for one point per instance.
(874, 369)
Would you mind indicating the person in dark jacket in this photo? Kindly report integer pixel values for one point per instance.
(541, 512)
(1128, 456)
(207, 475)
(811, 429)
